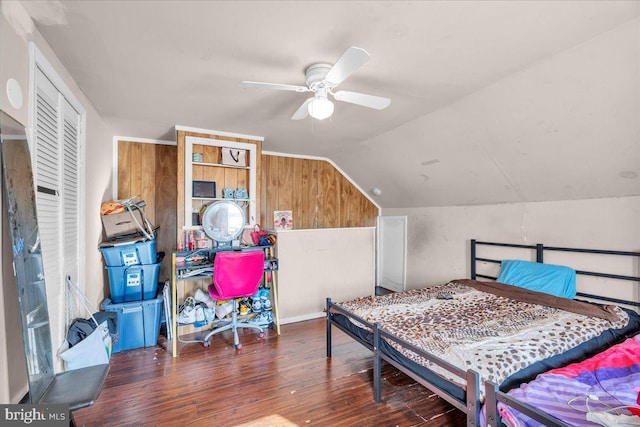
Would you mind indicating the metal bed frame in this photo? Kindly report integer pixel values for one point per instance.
(470, 405)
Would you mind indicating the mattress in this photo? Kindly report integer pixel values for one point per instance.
(506, 339)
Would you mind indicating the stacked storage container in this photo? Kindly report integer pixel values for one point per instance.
(133, 268)
(138, 323)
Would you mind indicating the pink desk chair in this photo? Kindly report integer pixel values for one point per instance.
(236, 274)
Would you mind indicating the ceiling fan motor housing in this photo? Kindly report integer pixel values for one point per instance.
(315, 75)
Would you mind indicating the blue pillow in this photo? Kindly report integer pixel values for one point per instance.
(551, 279)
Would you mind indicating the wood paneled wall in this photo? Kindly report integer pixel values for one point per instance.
(317, 193)
(150, 171)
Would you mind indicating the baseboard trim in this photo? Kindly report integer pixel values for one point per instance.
(302, 318)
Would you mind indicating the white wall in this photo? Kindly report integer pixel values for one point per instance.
(17, 30)
(438, 238)
(316, 264)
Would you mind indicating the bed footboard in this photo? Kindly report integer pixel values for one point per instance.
(470, 405)
(381, 339)
(333, 308)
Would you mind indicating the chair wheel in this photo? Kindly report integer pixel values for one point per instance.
(261, 335)
(238, 346)
(205, 344)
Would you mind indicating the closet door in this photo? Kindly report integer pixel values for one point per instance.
(47, 175)
(55, 154)
(70, 190)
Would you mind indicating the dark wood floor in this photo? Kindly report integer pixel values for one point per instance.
(276, 381)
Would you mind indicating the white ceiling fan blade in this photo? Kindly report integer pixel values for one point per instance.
(351, 60)
(303, 111)
(276, 86)
(371, 101)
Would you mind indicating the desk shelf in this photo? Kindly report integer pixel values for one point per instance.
(185, 272)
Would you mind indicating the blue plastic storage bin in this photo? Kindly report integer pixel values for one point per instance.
(138, 323)
(133, 283)
(119, 255)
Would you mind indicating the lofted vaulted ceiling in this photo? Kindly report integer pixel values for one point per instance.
(491, 101)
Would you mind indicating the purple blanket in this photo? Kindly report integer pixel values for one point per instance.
(576, 393)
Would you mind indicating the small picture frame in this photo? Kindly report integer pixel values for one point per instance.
(204, 189)
(283, 220)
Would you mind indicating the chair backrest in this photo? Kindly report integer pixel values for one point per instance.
(238, 273)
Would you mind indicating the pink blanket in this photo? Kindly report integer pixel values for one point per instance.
(576, 393)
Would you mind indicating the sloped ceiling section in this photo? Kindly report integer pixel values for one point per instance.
(566, 128)
(491, 101)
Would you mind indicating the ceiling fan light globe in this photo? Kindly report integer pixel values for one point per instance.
(320, 108)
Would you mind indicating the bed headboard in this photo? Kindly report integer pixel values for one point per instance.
(540, 251)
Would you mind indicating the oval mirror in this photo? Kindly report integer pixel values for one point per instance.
(223, 221)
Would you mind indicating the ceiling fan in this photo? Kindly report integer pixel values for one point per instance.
(321, 79)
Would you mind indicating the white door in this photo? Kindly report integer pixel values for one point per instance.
(391, 250)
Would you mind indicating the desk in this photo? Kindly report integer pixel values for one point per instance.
(205, 270)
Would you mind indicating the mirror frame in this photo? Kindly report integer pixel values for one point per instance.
(20, 210)
(231, 232)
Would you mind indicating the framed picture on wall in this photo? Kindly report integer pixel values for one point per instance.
(283, 220)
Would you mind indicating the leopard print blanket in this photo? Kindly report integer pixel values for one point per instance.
(470, 329)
